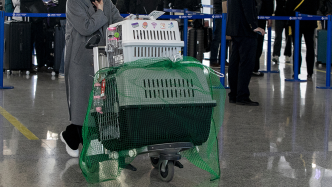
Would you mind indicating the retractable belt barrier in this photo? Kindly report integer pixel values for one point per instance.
(192, 15)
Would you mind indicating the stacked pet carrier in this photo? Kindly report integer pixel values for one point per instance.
(143, 102)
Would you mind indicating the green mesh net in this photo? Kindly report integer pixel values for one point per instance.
(157, 106)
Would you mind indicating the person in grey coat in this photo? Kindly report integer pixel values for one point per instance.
(83, 20)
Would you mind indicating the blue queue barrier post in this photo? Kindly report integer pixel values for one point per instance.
(296, 52)
(223, 50)
(328, 55)
(268, 60)
(185, 32)
(2, 34)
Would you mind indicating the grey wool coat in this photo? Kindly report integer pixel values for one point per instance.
(82, 22)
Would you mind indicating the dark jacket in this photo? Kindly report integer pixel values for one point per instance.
(309, 7)
(267, 8)
(281, 8)
(9, 8)
(137, 6)
(242, 18)
(264, 8)
(325, 7)
(217, 6)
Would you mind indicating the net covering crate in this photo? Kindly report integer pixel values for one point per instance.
(146, 106)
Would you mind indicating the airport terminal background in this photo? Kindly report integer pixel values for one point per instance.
(285, 142)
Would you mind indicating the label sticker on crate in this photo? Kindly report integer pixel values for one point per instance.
(154, 24)
(171, 25)
(135, 25)
(145, 25)
(162, 25)
(103, 86)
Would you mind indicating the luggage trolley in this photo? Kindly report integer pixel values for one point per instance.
(131, 40)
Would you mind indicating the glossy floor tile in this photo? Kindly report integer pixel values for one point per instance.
(285, 142)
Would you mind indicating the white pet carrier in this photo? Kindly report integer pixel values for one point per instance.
(131, 40)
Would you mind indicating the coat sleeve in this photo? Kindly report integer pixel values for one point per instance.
(116, 17)
(250, 14)
(123, 6)
(82, 21)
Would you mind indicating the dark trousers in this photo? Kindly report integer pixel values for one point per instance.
(308, 34)
(280, 25)
(241, 65)
(215, 43)
(259, 51)
(260, 43)
(216, 39)
(37, 37)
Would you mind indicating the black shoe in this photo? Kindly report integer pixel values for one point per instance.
(73, 136)
(309, 77)
(247, 102)
(257, 74)
(232, 100)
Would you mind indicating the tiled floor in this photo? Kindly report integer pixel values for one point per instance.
(285, 142)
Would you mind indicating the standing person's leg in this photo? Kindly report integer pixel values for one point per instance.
(233, 69)
(259, 50)
(38, 39)
(247, 52)
(62, 64)
(310, 57)
(215, 42)
(288, 47)
(278, 40)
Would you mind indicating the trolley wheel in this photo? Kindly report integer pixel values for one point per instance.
(155, 162)
(167, 176)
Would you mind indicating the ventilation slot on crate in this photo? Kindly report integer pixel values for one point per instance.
(168, 88)
(154, 51)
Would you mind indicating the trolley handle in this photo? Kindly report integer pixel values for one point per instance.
(93, 41)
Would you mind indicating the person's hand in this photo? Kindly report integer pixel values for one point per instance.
(99, 5)
(269, 23)
(258, 29)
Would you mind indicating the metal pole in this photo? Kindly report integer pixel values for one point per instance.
(2, 35)
(328, 55)
(269, 49)
(296, 52)
(269, 46)
(297, 34)
(185, 33)
(223, 48)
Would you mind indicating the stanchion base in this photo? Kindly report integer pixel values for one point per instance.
(7, 87)
(295, 80)
(322, 87)
(269, 71)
